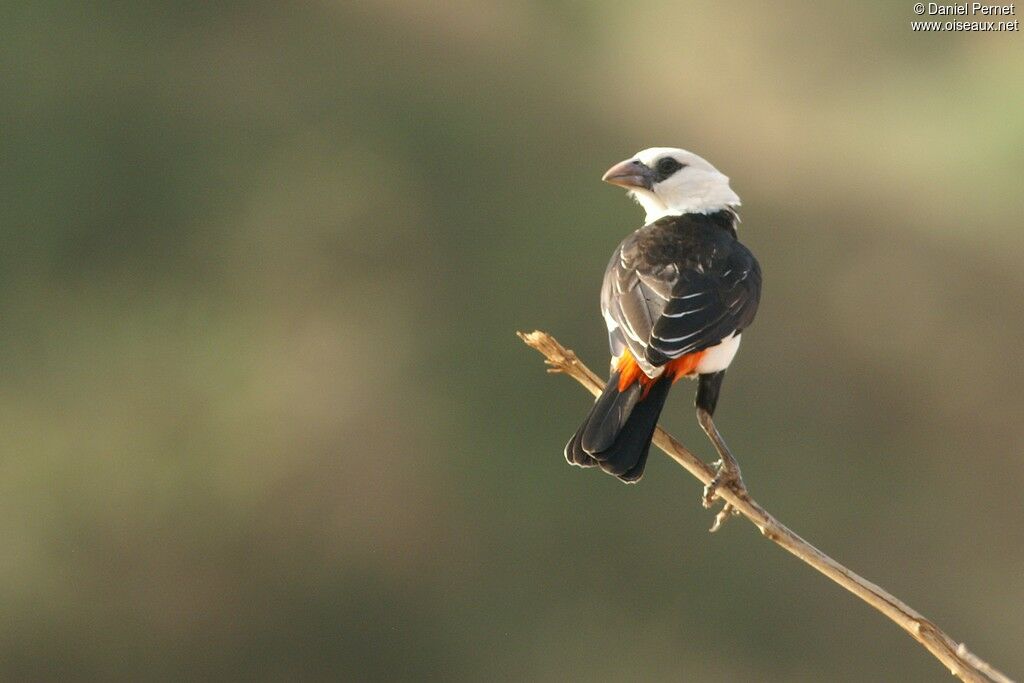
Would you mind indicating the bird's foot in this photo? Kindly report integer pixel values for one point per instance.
(727, 474)
(728, 477)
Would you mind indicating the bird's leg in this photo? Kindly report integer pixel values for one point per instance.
(728, 473)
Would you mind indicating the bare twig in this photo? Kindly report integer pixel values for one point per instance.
(955, 656)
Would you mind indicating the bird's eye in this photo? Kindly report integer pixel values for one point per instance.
(667, 166)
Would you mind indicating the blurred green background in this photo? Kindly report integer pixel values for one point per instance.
(263, 414)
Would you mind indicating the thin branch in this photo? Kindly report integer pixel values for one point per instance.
(955, 656)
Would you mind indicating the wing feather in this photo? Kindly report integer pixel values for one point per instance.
(670, 291)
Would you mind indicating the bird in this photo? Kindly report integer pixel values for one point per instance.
(676, 297)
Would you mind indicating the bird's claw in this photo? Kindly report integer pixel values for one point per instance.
(728, 476)
(727, 472)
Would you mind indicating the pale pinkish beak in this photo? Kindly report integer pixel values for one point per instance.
(630, 174)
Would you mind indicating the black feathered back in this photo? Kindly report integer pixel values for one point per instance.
(679, 285)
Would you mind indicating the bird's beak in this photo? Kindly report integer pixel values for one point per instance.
(630, 174)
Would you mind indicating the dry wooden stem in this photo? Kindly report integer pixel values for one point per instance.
(955, 656)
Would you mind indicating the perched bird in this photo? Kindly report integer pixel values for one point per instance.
(677, 295)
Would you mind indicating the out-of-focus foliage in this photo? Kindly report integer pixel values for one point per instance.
(263, 414)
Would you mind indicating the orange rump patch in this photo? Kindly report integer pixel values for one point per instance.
(630, 371)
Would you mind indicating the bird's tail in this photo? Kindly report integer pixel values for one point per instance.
(616, 436)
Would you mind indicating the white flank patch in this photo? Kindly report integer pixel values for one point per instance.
(718, 357)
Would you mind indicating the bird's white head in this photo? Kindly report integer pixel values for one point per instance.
(669, 181)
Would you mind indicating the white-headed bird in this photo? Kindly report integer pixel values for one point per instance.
(677, 295)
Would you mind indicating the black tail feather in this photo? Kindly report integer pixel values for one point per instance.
(609, 415)
(636, 472)
(628, 456)
(617, 433)
(575, 454)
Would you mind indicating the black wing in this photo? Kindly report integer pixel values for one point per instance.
(678, 286)
(632, 300)
(707, 305)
